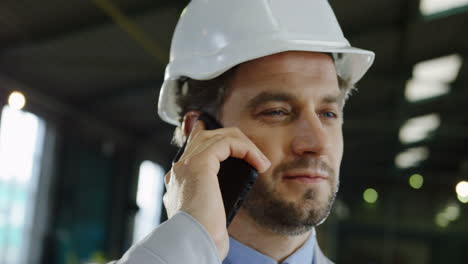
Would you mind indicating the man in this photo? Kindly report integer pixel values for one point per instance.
(276, 74)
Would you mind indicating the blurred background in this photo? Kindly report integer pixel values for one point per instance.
(83, 152)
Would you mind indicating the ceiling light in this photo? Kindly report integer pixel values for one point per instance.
(411, 157)
(462, 188)
(419, 128)
(431, 78)
(416, 181)
(417, 90)
(463, 199)
(462, 191)
(428, 7)
(441, 220)
(443, 69)
(370, 195)
(16, 100)
(452, 212)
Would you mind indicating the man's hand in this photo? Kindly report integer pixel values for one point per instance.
(192, 184)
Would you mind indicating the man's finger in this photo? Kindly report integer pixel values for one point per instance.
(197, 127)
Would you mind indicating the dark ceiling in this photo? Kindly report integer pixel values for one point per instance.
(72, 56)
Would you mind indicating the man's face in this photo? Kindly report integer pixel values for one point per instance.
(289, 104)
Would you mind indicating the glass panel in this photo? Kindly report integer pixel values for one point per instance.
(149, 199)
(21, 137)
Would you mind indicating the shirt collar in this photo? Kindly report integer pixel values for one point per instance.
(241, 254)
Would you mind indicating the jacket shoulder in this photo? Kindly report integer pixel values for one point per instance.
(181, 239)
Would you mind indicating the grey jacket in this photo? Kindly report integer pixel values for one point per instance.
(182, 240)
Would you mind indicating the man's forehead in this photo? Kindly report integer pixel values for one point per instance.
(287, 75)
(285, 70)
(290, 61)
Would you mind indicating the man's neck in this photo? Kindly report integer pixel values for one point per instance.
(245, 230)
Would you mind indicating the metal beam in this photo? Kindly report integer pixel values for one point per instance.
(88, 21)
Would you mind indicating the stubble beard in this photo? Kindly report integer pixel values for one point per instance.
(266, 207)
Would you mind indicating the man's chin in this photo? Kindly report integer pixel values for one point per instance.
(311, 200)
(288, 217)
(314, 212)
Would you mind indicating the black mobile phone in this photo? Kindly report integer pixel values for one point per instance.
(236, 177)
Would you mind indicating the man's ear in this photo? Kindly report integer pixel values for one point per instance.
(189, 121)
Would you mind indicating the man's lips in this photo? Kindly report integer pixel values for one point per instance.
(306, 177)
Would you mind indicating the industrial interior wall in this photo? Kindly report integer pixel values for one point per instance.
(82, 210)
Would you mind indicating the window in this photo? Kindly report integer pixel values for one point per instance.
(149, 199)
(21, 140)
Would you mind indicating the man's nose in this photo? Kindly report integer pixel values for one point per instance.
(310, 136)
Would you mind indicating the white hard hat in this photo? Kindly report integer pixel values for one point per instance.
(213, 36)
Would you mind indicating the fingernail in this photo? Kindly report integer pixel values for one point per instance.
(266, 160)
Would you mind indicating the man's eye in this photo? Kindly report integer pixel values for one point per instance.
(276, 112)
(329, 114)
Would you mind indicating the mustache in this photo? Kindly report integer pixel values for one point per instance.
(305, 163)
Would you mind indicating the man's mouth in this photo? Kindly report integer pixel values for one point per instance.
(305, 176)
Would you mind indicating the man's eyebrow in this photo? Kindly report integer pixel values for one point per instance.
(333, 99)
(338, 99)
(269, 97)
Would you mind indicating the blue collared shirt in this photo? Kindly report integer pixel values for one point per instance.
(242, 254)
